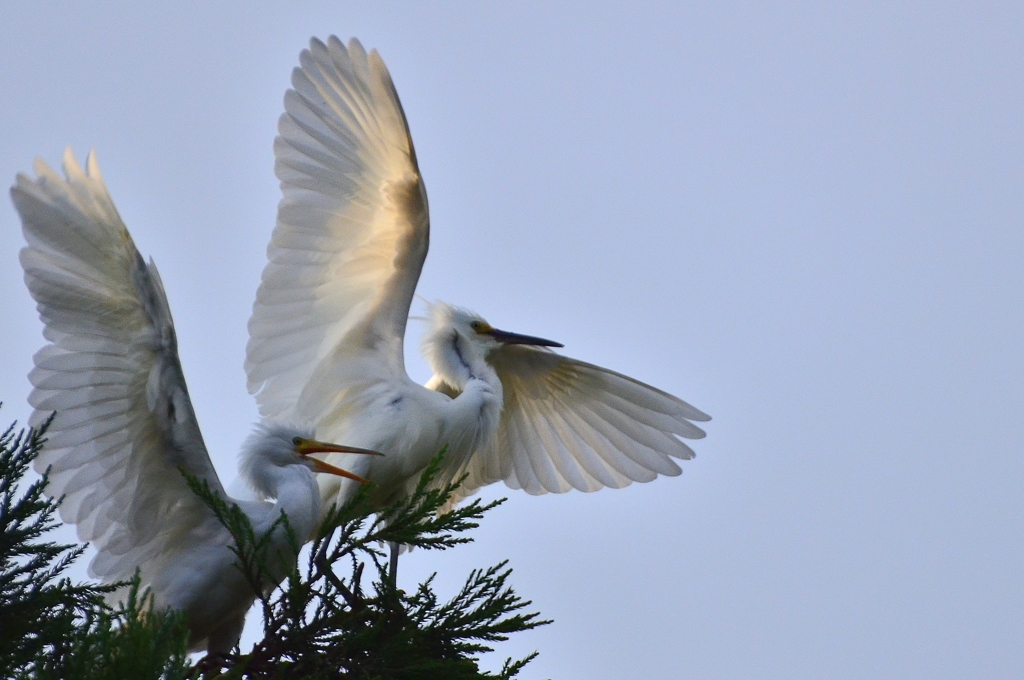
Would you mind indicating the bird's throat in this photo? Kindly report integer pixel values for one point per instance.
(462, 359)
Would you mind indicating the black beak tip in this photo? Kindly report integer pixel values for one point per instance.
(517, 339)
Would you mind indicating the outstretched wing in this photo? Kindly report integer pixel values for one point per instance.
(124, 423)
(351, 235)
(568, 425)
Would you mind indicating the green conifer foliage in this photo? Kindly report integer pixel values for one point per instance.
(51, 627)
(337, 614)
(323, 623)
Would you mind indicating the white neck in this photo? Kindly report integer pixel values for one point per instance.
(473, 416)
(457, 360)
(296, 494)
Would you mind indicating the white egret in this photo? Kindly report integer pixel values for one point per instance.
(329, 320)
(124, 423)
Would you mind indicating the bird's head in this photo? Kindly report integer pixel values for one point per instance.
(279, 445)
(459, 340)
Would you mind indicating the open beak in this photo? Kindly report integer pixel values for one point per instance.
(307, 446)
(517, 339)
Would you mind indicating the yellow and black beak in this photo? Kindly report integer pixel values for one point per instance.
(305, 447)
(517, 339)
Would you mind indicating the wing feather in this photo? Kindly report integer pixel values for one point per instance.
(352, 229)
(567, 424)
(570, 476)
(124, 422)
(593, 433)
(597, 472)
(542, 458)
(525, 477)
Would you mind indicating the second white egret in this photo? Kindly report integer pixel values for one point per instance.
(123, 425)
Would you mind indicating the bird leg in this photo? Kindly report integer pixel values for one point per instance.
(393, 568)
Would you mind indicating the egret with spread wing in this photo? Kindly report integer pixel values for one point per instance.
(330, 315)
(124, 424)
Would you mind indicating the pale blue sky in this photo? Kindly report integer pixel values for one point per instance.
(807, 221)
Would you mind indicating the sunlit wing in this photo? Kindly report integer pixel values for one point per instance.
(124, 424)
(351, 235)
(568, 425)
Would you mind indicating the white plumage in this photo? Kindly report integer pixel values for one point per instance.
(124, 425)
(329, 321)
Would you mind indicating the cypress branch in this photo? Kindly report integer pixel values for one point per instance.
(325, 622)
(56, 629)
(335, 615)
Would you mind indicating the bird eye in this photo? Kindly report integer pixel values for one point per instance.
(296, 440)
(476, 325)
